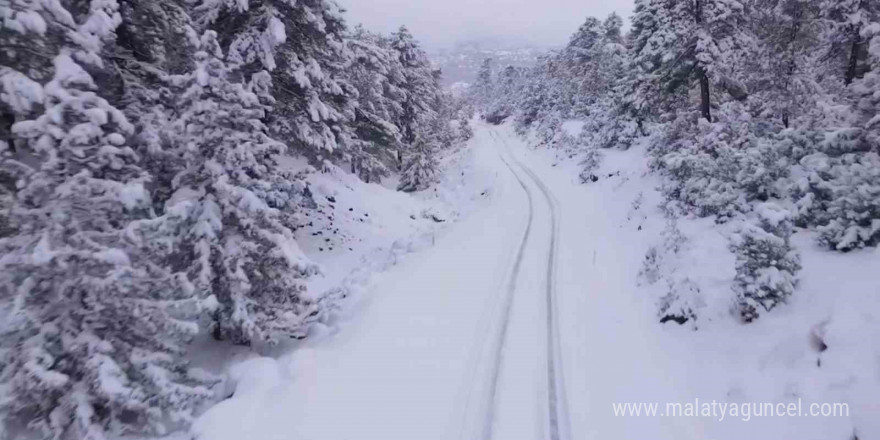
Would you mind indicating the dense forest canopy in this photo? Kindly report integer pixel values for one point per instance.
(145, 196)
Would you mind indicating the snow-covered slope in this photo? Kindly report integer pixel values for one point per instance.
(455, 342)
(384, 366)
(821, 347)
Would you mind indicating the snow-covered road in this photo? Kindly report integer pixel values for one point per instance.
(503, 408)
(506, 329)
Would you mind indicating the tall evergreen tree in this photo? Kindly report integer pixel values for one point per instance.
(377, 74)
(679, 43)
(482, 90)
(420, 86)
(849, 35)
(233, 205)
(783, 75)
(94, 320)
(300, 44)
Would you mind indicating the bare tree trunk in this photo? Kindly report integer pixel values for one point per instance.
(855, 55)
(792, 64)
(704, 79)
(705, 108)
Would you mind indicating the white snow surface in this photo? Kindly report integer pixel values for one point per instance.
(412, 355)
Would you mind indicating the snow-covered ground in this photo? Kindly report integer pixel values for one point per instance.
(777, 359)
(532, 314)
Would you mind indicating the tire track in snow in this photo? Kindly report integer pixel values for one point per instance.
(557, 401)
(498, 355)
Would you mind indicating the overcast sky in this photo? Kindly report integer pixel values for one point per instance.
(442, 23)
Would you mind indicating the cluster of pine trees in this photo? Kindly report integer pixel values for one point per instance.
(761, 112)
(144, 196)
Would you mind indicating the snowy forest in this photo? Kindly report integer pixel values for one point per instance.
(172, 171)
(145, 191)
(760, 112)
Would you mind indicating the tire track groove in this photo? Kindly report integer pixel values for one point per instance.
(558, 426)
(557, 401)
(498, 355)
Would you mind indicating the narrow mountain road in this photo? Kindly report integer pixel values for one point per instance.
(521, 323)
(556, 421)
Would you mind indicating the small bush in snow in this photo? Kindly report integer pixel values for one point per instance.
(419, 169)
(766, 264)
(608, 127)
(682, 297)
(464, 131)
(591, 160)
(676, 305)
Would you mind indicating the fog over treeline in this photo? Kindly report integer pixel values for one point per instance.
(444, 24)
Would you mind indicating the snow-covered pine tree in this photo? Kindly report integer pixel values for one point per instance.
(154, 43)
(422, 95)
(93, 318)
(232, 205)
(482, 91)
(597, 58)
(679, 43)
(377, 74)
(781, 67)
(651, 35)
(766, 264)
(535, 94)
(848, 35)
(300, 44)
(576, 68)
(420, 167)
(504, 96)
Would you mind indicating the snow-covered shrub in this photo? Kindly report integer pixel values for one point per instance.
(566, 143)
(549, 127)
(837, 180)
(419, 169)
(842, 197)
(723, 169)
(680, 298)
(607, 126)
(844, 186)
(719, 168)
(590, 161)
(464, 131)
(677, 305)
(766, 263)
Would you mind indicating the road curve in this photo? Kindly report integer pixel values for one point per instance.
(557, 415)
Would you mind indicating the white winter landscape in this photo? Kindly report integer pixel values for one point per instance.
(567, 220)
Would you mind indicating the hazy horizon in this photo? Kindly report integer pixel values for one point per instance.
(442, 25)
